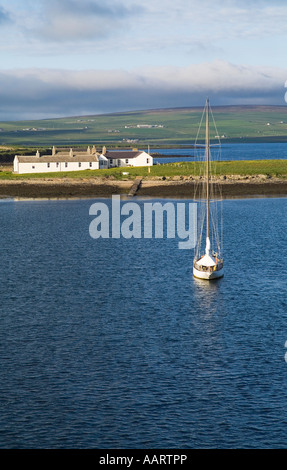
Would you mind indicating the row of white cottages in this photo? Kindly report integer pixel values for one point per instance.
(79, 159)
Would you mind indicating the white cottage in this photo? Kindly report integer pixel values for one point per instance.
(60, 160)
(79, 159)
(103, 162)
(123, 158)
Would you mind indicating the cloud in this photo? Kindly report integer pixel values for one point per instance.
(4, 16)
(89, 7)
(163, 31)
(73, 20)
(36, 93)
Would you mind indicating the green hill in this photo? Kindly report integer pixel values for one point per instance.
(162, 127)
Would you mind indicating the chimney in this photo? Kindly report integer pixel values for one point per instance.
(89, 150)
(104, 151)
(53, 151)
(71, 153)
(38, 154)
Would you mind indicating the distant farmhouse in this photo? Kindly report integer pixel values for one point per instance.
(79, 159)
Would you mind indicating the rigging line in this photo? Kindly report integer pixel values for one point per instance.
(200, 226)
(201, 220)
(219, 198)
(198, 154)
(221, 214)
(216, 207)
(214, 123)
(199, 128)
(215, 233)
(219, 186)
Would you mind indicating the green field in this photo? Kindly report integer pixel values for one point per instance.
(170, 127)
(271, 168)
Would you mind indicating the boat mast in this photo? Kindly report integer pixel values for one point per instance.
(207, 168)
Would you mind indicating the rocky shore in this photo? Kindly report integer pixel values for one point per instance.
(232, 187)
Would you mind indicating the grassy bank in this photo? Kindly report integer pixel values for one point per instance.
(272, 168)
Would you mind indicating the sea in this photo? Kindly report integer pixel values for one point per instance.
(110, 343)
(224, 152)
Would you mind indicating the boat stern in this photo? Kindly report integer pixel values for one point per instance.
(208, 272)
(208, 275)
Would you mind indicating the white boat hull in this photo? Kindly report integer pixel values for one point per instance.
(208, 275)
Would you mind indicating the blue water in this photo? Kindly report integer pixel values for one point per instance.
(241, 151)
(111, 343)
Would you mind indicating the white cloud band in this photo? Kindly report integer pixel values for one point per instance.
(49, 92)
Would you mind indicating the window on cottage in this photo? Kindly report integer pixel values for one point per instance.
(147, 160)
(48, 165)
(91, 164)
(57, 165)
(119, 163)
(66, 164)
(80, 164)
(127, 160)
(33, 167)
(111, 161)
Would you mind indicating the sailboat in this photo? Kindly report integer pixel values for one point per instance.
(209, 264)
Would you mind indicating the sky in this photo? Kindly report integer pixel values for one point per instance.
(78, 57)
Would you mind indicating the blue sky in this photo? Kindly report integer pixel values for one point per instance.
(76, 57)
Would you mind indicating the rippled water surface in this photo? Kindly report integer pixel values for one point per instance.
(112, 344)
(229, 151)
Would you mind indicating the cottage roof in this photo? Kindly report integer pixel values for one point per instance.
(122, 154)
(79, 157)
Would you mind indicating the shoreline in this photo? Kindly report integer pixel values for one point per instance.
(232, 187)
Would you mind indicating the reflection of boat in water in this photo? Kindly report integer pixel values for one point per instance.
(209, 264)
